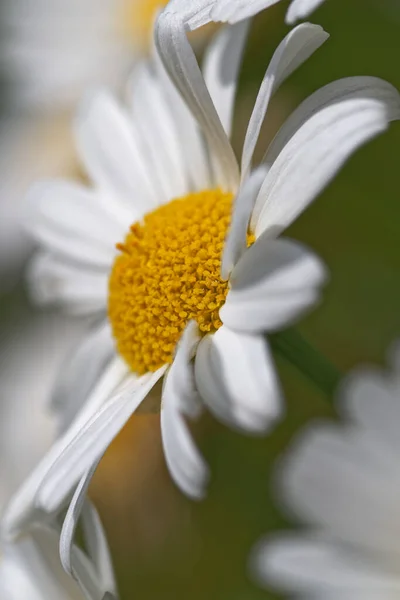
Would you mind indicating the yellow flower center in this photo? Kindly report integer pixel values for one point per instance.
(168, 273)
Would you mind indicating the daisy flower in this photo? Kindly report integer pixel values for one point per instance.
(199, 274)
(199, 12)
(342, 480)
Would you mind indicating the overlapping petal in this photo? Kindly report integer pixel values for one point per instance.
(274, 282)
(236, 378)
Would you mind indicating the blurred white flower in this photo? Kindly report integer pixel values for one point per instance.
(343, 481)
(51, 51)
(169, 275)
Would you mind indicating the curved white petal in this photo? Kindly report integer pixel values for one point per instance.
(93, 439)
(97, 548)
(31, 569)
(26, 506)
(296, 48)
(315, 143)
(221, 66)
(94, 539)
(273, 283)
(153, 119)
(236, 242)
(80, 374)
(312, 566)
(300, 9)
(181, 64)
(236, 378)
(79, 290)
(193, 148)
(180, 397)
(112, 156)
(68, 219)
(197, 13)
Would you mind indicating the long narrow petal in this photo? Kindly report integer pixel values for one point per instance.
(193, 147)
(77, 289)
(93, 439)
(236, 378)
(26, 505)
(97, 547)
(236, 242)
(221, 70)
(274, 283)
(81, 373)
(180, 397)
(67, 219)
(101, 560)
(321, 135)
(112, 155)
(296, 48)
(180, 62)
(153, 119)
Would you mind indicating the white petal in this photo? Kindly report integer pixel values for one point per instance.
(221, 66)
(232, 11)
(236, 378)
(31, 569)
(180, 62)
(197, 13)
(236, 243)
(93, 440)
(152, 117)
(312, 565)
(80, 374)
(273, 283)
(192, 145)
(296, 48)
(180, 397)
(25, 505)
(300, 9)
(69, 220)
(371, 400)
(112, 156)
(193, 14)
(79, 290)
(340, 480)
(316, 141)
(97, 541)
(97, 547)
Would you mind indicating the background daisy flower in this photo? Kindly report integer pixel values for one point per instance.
(271, 282)
(341, 480)
(50, 52)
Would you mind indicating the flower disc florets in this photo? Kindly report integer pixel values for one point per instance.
(168, 273)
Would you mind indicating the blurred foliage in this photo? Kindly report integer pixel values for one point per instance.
(200, 551)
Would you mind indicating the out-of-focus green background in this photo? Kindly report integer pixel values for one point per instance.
(167, 547)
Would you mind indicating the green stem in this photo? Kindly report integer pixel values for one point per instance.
(291, 345)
